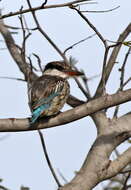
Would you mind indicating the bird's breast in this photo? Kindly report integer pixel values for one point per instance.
(58, 102)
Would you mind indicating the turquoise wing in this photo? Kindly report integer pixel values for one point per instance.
(42, 92)
(44, 105)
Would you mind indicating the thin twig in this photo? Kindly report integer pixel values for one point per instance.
(43, 4)
(122, 84)
(103, 69)
(112, 58)
(12, 78)
(73, 45)
(18, 28)
(85, 81)
(103, 78)
(104, 11)
(81, 4)
(25, 37)
(31, 65)
(127, 81)
(47, 158)
(39, 61)
(125, 183)
(78, 82)
(62, 176)
(122, 69)
(126, 171)
(90, 24)
(81, 88)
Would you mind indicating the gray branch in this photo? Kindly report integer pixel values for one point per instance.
(13, 125)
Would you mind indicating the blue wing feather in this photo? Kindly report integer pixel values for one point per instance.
(38, 111)
(45, 104)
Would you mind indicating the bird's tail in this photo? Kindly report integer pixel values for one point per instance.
(37, 112)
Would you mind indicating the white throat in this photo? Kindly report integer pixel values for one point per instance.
(55, 72)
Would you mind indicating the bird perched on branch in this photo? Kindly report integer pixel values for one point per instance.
(49, 93)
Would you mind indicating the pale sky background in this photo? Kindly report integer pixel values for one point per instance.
(22, 161)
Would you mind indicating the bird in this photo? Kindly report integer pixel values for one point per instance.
(49, 92)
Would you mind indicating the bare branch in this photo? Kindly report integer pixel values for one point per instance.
(18, 28)
(15, 53)
(117, 165)
(127, 81)
(41, 7)
(122, 84)
(47, 158)
(122, 69)
(13, 78)
(39, 61)
(125, 183)
(85, 81)
(85, 92)
(113, 58)
(125, 171)
(96, 165)
(103, 78)
(25, 37)
(44, 3)
(8, 125)
(82, 89)
(90, 24)
(104, 11)
(62, 176)
(75, 44)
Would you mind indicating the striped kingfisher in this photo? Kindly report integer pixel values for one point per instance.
(49, 93)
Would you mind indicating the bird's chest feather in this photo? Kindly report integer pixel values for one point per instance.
(58, 102)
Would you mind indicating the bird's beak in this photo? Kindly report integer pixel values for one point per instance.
(73, 73)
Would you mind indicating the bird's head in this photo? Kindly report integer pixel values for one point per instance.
(61, 69)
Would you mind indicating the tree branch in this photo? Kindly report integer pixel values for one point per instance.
(117, 165)
(15, 53)
(13, 125)
(90, 24)
(113, 58)
(97, 165)
(48, 159)
(42, 7)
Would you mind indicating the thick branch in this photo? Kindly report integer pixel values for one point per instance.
(121, 162)
(97, 166)
(15, 53)
(68, 116)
